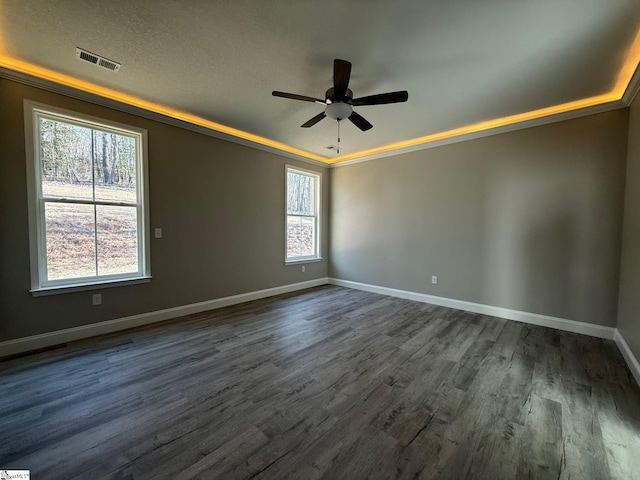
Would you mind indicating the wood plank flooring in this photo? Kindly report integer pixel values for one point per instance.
(329, 383)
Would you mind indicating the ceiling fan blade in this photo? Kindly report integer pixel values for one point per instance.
(341, 76)
(381, 98)
(360, 122)
(295, 96)
(313, 121)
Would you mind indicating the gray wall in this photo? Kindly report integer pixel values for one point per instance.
(629, 306)
(529, 220)
(221, 207)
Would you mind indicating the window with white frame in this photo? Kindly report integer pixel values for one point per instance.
(87, 200)
(303, 214)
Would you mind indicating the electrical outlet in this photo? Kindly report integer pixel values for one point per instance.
(434, 280)
(96, 299)
(304, 268)
(158, 233)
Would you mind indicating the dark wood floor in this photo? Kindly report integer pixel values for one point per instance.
(329, 383)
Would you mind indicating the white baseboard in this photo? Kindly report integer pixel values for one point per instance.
(525, 317)
(44, 340)
(628, 355)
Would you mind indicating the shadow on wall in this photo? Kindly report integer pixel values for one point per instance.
(528, 221)
(538, 243)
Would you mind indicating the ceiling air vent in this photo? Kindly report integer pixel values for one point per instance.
(97, 60)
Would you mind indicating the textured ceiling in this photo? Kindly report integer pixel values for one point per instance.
(462, 61)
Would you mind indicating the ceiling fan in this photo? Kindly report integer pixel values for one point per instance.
(339, 101)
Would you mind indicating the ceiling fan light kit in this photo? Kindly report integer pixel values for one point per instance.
(338, 111)
(339, 101)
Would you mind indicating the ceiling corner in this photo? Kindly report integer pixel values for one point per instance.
(632, 88)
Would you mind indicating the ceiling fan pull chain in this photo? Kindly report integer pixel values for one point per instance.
(338, 149)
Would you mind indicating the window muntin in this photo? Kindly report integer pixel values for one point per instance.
(87, 200)
(302, 226)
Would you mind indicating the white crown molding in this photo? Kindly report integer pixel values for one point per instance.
(559, 117)
(526, 317)
(141, 112)
(36, 342)
(628, 355)
(632, 89)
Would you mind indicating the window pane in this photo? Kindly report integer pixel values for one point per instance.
(117, 240)
(300, 194)
(66, 167)
(300, 237)
(70, 238)
(115, 167)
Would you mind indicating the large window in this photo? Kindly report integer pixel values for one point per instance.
(87, 197)
(303, 209)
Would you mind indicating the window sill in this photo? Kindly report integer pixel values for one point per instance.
(303, 260)
(57, 290)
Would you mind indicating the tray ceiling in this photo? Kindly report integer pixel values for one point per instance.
(467, 65)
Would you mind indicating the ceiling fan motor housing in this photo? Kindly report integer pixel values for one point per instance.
(330, 96)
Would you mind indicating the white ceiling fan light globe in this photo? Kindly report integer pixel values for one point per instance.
(338, 111)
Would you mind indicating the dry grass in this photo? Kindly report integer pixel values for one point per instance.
(299, 237)
(71, 237)
(71, 234)
(84, 191)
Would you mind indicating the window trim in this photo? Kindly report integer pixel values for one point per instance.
(37, 249)
(317, 256)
